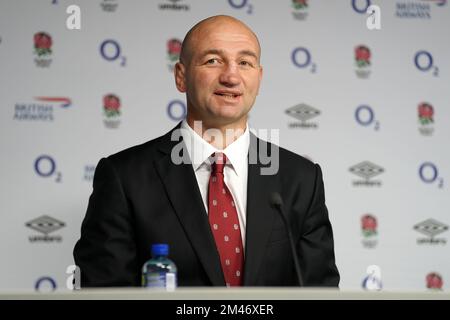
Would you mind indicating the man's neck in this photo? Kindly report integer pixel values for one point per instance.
(219, 136)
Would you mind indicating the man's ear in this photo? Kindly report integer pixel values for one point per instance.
(180, 80)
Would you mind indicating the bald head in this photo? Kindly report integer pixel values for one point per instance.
(202, 28)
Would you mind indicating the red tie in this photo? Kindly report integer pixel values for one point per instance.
(224, 223)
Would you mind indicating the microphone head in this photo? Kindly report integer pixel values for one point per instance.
(275, 199)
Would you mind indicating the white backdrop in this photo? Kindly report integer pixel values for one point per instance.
(54, 128)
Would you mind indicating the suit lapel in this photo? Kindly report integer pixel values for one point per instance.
(260, 215)
(182, 189)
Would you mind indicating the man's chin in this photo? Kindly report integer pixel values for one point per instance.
(226, 119)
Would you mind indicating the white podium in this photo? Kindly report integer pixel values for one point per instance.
(205, 294)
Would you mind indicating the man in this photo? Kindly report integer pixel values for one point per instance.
(208, 200)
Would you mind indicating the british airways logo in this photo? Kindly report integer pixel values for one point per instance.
(42, 109)
(61, 101)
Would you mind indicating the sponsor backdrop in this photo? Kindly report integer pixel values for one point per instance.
(370, 105)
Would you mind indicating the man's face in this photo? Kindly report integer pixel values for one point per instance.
(222, 74)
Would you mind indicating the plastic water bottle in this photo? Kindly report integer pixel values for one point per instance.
(159, 271)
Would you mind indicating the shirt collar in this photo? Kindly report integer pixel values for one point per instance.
(199, 150)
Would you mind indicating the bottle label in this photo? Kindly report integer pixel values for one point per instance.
(154, 280)
(160, 280)
(171, 281)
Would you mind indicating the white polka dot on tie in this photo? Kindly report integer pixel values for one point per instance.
(228, 285)
(236, 227)
(224, 191)
(214, 179)
(214, 202)
(227, 262)
(225, 215)
(232, 203)
(215, 226)
(238, 250)
(226, 238)
(238, 273)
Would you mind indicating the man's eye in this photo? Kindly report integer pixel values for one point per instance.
(212, 61)
(246, 63)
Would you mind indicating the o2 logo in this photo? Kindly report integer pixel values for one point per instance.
(365, 117)
(428, 173)
(48, 284)
(301, 58)
(424, 62)
(45, 284)
(176, 110)
(361, 6)
(241, 4)
(45, 166)
(110, 51)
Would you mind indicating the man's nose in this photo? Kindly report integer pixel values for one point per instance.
(230, 76)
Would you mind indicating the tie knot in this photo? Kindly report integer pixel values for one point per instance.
(219, 161)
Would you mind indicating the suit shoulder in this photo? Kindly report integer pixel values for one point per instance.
(289, 165)
(142, 152)
(293, 159)
(289, 160)
(294, 167)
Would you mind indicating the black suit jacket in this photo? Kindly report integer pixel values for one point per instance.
(140, 197)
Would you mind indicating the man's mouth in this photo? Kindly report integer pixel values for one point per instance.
(228, 94)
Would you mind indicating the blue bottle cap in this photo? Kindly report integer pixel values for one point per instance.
(160, 249)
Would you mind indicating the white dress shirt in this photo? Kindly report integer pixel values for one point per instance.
(235, 171)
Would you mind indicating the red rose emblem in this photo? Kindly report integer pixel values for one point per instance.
(362, 53)
(299, 4)
(111, 102)
(174, 47)
(425, 113)
(425, 110)
(369, 223)
(42, 40)
(111, 105)
(42, 43)
(434, 281)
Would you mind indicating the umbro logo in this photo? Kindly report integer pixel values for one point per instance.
(304, 113)
(431, 228)
(366, 170)
(45, 225)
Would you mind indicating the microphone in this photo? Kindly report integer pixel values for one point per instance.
(277, 202)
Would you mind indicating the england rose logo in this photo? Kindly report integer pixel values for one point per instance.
(434, 281)
(173, 49)
(369, 232)
(362, 56)
(42, 44)
(300, 11)
(111, 105)
(42, 49)
(362, 61)
(173, 52)
(369, 225)
(299, 4)
(426, 118)
(425, 113)
(111, 109)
